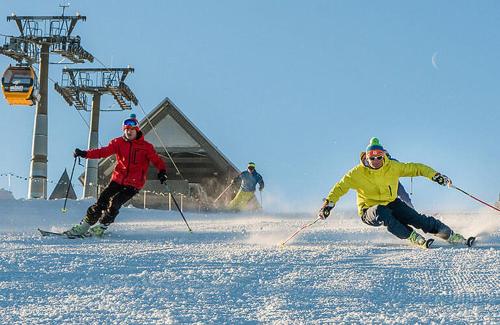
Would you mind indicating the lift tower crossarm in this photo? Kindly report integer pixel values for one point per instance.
(39, 37)
(23, 22)
(77, 81)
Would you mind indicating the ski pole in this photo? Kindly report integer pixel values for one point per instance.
(299, 230)
(69, 185)
(220, 195)
(179, 209)
(261, 202)
(475, 198)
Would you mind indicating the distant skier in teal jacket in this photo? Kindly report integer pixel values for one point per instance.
(245, 198)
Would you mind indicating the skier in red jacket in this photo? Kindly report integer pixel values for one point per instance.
(133, 155)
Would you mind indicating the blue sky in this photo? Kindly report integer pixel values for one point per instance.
(299, 87)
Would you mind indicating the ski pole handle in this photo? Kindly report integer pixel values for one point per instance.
(326, 211)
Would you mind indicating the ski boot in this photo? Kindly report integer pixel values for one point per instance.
(418, 240)
(98, 230)
(78, 230)
(456, 239)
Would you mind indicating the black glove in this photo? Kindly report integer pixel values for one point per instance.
(261, 188)
(162, 176)
(80, 153)
(441, 179)
(324, 212)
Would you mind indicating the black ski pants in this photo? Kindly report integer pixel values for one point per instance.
(109, 203)
(398, 217)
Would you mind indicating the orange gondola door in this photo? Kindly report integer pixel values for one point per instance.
(18, 85)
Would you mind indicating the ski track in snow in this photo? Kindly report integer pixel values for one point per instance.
(230, 270)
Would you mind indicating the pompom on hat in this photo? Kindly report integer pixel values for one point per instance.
(375, 148)
(131, 123)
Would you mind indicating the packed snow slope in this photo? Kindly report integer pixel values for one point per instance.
(149, 269)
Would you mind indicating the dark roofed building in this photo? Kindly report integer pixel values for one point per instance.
(63, 188)
(200, 173)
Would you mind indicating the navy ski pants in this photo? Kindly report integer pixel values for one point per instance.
(109, 203)
(398, 217)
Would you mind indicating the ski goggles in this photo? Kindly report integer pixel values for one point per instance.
(375, 153)
(130, 124)
(377, 158)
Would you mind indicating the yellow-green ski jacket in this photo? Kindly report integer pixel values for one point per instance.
(377, 186)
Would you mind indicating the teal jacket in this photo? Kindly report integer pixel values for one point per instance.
(249, 181)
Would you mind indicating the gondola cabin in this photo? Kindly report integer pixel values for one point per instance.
(18, 85)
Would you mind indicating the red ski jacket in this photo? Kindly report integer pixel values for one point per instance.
(133, 159)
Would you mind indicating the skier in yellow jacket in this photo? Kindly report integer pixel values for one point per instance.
(375, 180)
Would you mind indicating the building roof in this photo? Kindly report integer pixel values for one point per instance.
(62, 189)
(198, 160)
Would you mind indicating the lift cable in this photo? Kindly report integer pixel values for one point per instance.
(152, 126)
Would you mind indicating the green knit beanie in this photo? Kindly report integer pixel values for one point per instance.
(374, 145)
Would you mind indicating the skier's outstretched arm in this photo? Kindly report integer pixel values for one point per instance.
(102, 152)
(340, 188)
(416, 169)
(337, 191)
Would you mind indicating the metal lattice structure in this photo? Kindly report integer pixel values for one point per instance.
(55, 31)
(39, 37)
(20, 50)
(77, 83)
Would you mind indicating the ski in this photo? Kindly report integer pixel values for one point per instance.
(46, 233)
(470, 241)
(428, 243)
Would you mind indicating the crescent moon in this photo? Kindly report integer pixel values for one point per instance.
(434, 61)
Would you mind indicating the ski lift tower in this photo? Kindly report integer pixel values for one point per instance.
(39, 37)
(76, 85)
